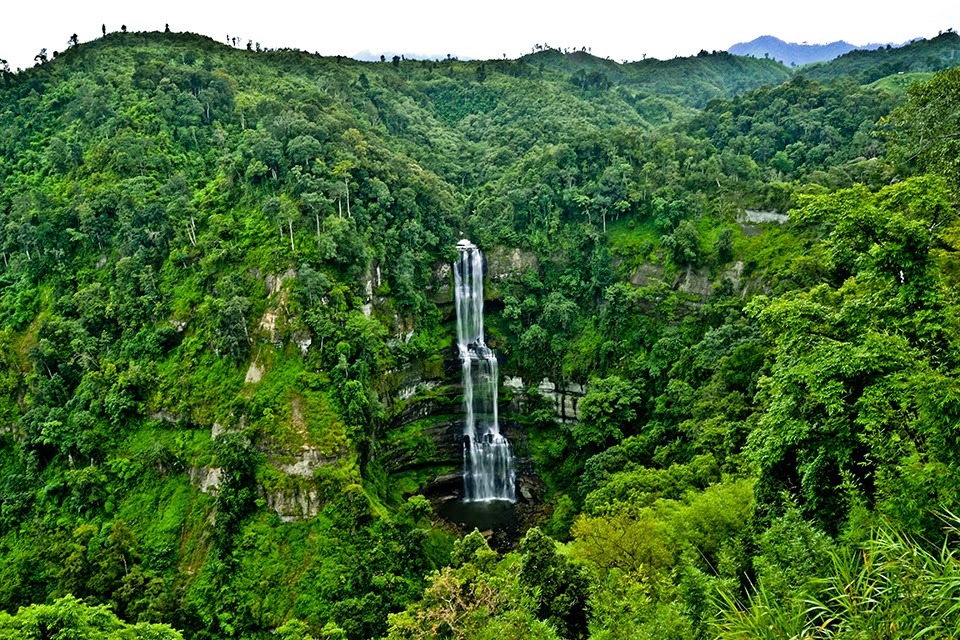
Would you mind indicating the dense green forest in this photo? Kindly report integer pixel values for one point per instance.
(724, 292)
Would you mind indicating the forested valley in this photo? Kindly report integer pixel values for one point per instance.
(724, 295)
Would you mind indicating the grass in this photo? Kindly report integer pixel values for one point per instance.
(898, 84)
(633, 241)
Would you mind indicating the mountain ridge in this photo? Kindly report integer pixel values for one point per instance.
(799, 54)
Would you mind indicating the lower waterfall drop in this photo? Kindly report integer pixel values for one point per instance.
(487, 457)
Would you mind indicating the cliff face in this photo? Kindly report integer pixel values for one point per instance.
(418, 438)
(421, 441)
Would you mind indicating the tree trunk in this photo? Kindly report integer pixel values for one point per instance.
(347, 186)
(290, 227)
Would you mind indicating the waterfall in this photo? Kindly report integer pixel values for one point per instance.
(487, 457)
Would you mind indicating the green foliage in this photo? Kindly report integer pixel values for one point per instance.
(922, 55)
(922, 131)
(607, 412)
(476, 598)
(235, 499)
(797, 130)
(836, 359)
(893, 587)
(71, 618)
(684, 245)
(558, 586)
(200, 240)
(694, 80)
(790, 554)
(472, 548)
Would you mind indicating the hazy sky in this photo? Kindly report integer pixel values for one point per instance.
(620, 29)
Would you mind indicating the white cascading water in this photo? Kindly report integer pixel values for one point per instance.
(487, 458)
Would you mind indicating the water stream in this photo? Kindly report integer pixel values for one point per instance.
(489, 472)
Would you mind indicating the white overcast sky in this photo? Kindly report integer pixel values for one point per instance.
(620, 29)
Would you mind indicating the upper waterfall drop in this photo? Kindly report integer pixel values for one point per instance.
(488, 459)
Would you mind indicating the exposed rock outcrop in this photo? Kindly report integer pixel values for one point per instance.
(274, 282)
(206, 479)
(254, 373)
(305, 463)
(504, 262)
(759, 217)
(646, 274)
(565, 398)
(294, 505)
(695, 282)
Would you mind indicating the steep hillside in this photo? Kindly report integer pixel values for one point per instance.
(692, 81)
(935, 54)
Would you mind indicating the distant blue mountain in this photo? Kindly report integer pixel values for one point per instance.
(793, 54)
(368, 56)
